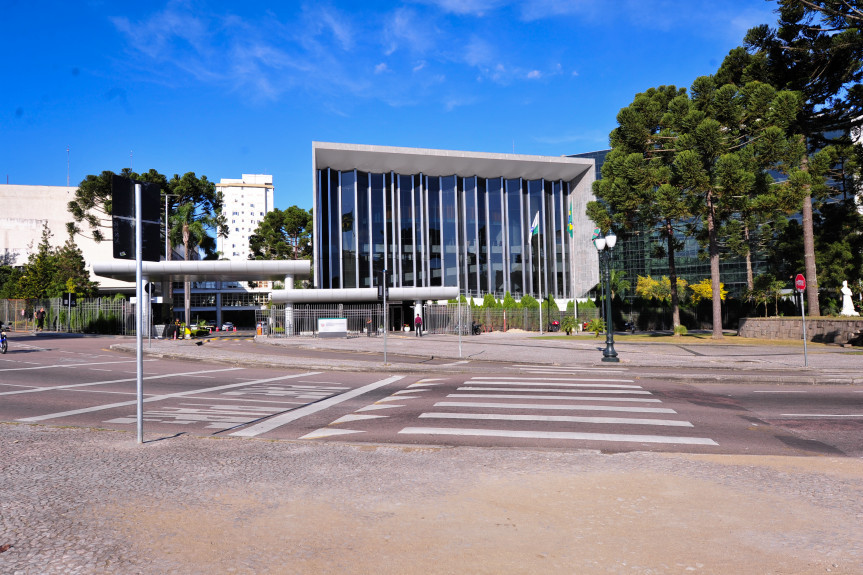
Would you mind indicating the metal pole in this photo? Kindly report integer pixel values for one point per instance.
(385, 315)
(539, 260)
(460, 324)
(139, 319)
(803, 316)
(608, 354)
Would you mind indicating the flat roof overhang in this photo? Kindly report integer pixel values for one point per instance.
(350, 295)
(385, 159)
(205, 270)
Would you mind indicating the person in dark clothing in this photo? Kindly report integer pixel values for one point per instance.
(418, 325)
(40, 319)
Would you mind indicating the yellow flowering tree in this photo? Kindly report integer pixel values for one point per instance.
(703, 290)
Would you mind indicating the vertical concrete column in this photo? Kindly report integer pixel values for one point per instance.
(146, 313)
(289, 307)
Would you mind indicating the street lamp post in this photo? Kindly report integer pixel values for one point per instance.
(605, 247)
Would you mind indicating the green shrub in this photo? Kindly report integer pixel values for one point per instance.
(680, 330)
(568, 324)
(596, 325)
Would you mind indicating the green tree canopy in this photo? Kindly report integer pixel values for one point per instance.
(282, 235)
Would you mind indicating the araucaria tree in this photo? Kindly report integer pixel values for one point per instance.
(681, 157)
(727, 138)
(282, 235)
(636, 191)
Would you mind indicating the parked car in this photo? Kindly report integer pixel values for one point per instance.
(227, 326)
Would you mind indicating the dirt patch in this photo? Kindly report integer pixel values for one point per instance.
(509, 523)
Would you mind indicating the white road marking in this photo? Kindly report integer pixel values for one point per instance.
(375, 407)
(153, 398)
(407, 391)
(66, 365)
(570, 368)
(393, 398)
(556, 390)
(568, 398)
(850, 415)
(280, 420)
(552, 383)
(617, 437)
(527, 380)
(552, 406)
(777, 391)
(355, 417)
(146, 378)
(558, 418)
(328, 431)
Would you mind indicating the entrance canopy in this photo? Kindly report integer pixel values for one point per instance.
(205, 270)
(352, 295)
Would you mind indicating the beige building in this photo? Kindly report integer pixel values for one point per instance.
(24, 210)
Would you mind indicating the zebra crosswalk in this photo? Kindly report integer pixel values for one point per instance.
(557, 407)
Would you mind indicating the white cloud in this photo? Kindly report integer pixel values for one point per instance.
(534, 75)
(381, 68)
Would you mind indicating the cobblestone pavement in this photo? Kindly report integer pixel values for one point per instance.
(95, 502)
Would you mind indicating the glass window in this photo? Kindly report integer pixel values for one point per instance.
(363, 234)
(496, 234)
(449, 228)
(348, 226)
(536, 285)
(378, 237)
(407, 229)
(515, 236)
(470, 243)
(433, 196)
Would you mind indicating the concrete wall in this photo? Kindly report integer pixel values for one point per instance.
(23, 212)
(824, 330)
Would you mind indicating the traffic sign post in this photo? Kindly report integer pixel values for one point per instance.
(800, 287)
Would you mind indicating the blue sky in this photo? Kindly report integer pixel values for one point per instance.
(225, 88)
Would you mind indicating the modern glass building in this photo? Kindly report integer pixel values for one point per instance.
(452, 218)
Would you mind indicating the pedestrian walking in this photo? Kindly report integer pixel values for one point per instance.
(369, 326)
(40, 319)
(418, 325)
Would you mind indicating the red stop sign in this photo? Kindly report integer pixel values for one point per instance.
(800, 282)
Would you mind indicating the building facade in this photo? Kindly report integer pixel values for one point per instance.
(25, 210)
(246, 200)
(485, 223)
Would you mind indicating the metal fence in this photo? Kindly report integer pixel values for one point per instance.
(368, 320)
(96, 315)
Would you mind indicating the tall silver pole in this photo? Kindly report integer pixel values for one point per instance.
(539, 259)
(385, 316)
(166, 227)
(803, 315)
(460, 323)
(139, 316)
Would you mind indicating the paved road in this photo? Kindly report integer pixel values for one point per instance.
(80, 382)
(78, 498)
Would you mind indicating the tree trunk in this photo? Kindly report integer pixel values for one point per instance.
(672, 276)
(187, 286)
(750, 281)
(809, 249)
(713, 250)
(809, 258)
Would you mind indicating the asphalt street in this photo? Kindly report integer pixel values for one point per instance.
(204, 390)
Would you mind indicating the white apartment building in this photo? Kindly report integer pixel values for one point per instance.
(246, 200)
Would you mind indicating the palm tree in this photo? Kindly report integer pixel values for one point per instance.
(192, 231)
